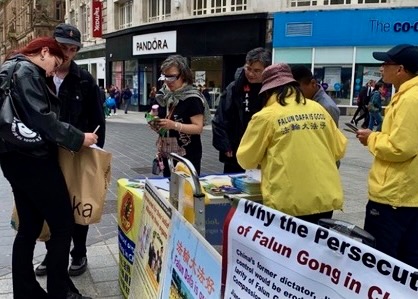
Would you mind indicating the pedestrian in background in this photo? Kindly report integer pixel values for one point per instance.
(392, 209)
(81, 106)
(290, 139)
(38, 185)
(375, 106)
(127, 97)
(237, 105)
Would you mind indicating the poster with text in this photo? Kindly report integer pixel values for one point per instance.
(150, 250)
(273, 255)
(194, 270)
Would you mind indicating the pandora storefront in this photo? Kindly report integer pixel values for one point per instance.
(215, 47)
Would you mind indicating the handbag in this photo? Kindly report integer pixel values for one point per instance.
(157, 165)
(167, 145)
(12, 129)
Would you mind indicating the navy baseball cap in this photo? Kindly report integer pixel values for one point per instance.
(404, 54)
(68, 34)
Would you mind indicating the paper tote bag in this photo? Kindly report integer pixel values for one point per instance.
(45, 233)
(87, 174)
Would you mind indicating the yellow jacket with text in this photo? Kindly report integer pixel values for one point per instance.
(393, 177)
(297, 147)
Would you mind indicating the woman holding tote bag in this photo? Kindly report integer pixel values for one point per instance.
(35, 176)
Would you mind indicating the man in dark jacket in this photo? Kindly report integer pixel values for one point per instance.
(237, 105)
(81, 106)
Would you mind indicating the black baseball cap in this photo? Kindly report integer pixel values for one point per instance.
(68, 34)
(404, 54)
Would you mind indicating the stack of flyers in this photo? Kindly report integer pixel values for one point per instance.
(246, 184)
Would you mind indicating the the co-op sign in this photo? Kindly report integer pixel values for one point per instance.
(405, 26)
(350, 27)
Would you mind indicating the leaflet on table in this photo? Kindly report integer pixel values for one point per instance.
(150, 252)
(274, 255)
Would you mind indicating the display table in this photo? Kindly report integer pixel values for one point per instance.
(129, 207)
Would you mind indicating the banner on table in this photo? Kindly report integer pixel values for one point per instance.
(150, 260)
(194, 270)
(274, 255)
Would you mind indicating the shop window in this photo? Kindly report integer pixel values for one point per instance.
(123, 14)
(159, 10)
(336, 80)
(366, 72)
(117, 73)
(208, 76)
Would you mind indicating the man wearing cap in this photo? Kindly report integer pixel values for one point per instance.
(392, 209)
(82, 107)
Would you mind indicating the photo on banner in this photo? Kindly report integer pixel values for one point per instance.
(273, 255)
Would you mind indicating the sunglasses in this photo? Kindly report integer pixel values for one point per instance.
(169, 78)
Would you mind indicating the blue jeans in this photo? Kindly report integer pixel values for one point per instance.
(375, 116)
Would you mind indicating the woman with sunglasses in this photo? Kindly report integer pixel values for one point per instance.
(184, 110)
(38, 185)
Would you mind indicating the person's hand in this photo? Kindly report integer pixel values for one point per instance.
(90, 139)
(229, 154)
(166, 124)
(363, 135)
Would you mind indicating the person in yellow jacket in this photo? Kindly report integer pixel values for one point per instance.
(296, 143)
(392, 209)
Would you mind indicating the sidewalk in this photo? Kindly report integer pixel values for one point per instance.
(133, 145)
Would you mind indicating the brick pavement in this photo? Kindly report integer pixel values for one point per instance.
(132, 145)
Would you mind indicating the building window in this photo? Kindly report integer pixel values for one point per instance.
(73, 20)
(299, 3)
(159, 10)
(371, 1)
(59, 10)
(84, 23)
(124, 14)
(238, 5)
(336, 2)
(203, 7)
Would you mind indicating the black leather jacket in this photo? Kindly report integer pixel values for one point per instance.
(38, 109)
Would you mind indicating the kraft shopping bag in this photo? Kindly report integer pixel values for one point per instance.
(45, 233)
(87, 174)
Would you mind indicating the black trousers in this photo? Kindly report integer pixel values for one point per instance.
(40, 194)
(395, 230)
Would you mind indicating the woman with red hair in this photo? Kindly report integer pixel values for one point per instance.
(38, 185)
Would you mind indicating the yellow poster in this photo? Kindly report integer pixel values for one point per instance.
(129, 210)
